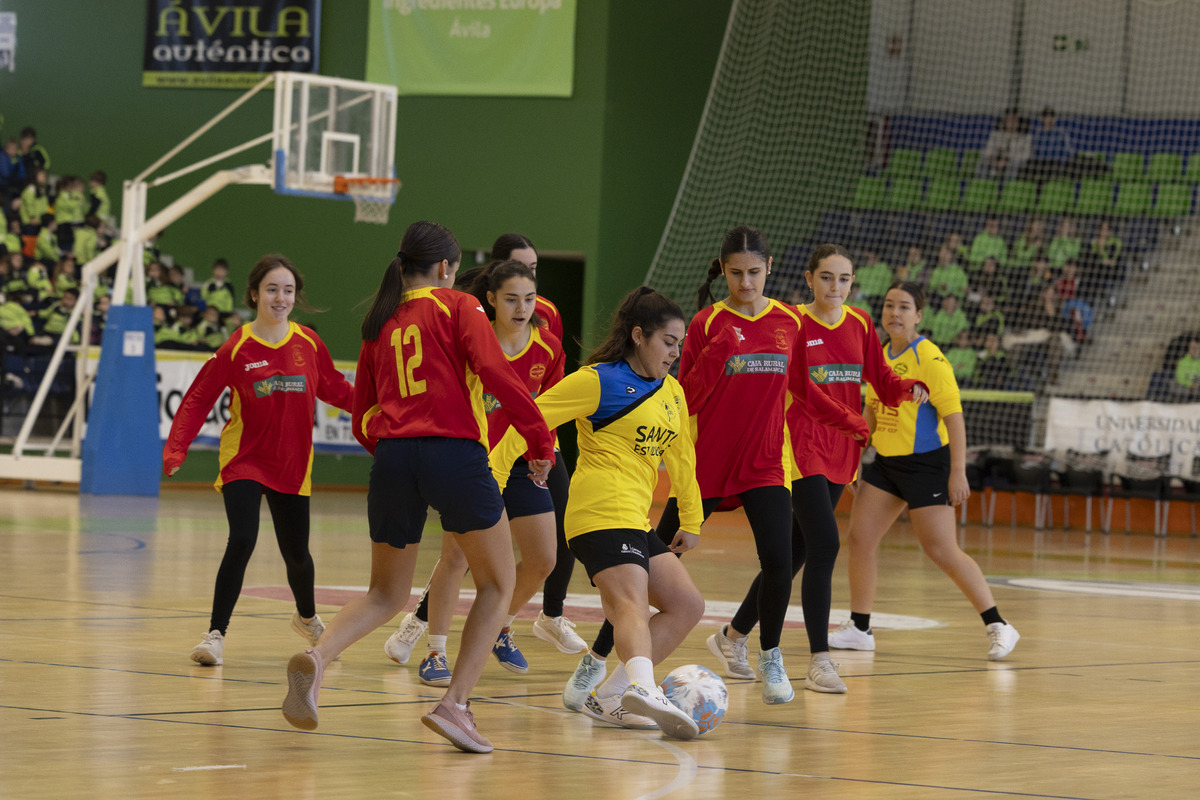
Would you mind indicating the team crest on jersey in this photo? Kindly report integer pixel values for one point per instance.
(900, 369)
(836, 373)
(537, 372)
(490, 403)
(781, 338)
(298, 355)
(280, 383)
(752, 363)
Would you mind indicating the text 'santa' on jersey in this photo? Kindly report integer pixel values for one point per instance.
(272, 404)
(626, 426)
(840, 357)
(737, 371)
(539, 366)
(424, 376)
(551, 318)
(913, 428)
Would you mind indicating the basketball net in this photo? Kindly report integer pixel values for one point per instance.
(373, 197)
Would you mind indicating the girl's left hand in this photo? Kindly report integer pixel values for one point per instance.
(919, 393)
(960, 491)
(539, 470)
(684, 541)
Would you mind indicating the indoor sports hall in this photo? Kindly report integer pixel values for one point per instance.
(1031, 166)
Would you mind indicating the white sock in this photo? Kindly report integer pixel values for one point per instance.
(437, 644)
(641, 671)
(727, 633)
(511, 620)
(615, 684)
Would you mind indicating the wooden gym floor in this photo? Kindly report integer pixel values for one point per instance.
(102, 599)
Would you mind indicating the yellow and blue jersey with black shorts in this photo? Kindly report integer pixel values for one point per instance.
(911, 441)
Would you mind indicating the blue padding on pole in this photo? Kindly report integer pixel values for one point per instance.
(122, 453)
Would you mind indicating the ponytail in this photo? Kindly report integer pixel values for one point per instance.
(704, 297)
(424, 246)
(642, 308)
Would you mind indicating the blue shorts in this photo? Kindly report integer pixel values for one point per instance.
(599, 550)
(523, 497)
(409, 475)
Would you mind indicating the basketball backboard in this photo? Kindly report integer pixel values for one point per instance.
(331, 127)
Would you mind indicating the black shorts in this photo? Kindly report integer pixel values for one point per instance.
(599, 550)
(523, 497)
(409, 475)
(919, 479)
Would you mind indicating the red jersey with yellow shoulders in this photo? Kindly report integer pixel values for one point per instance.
(840, 356)
(423, 376)
(273, 393)
(539, 366)
(551, 318)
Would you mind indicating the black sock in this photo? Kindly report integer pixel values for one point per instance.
(861, 621)
(991, 615)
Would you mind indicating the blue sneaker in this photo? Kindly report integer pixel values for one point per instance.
(506, 652)
(434, 671)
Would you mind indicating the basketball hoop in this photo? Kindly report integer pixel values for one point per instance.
(373, 197)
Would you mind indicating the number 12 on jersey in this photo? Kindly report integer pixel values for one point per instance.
(406, 367)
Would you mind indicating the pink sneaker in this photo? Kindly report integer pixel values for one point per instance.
(304, 683)
(448, 721)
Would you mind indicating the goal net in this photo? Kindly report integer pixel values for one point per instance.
(1037, 165)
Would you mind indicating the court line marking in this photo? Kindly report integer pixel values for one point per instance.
(688, 770)
(211, 766)
(1155, 591)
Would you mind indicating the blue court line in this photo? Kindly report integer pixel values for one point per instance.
(552, 754)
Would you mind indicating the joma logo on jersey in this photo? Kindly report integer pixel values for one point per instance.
(750, 363)
(255, 365)
(836, 373)
(815, 342)
(280, 383)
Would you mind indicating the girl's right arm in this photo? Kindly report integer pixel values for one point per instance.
(201, 396)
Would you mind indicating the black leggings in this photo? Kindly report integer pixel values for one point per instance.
(815, 541)
(768, 510)
(554, 591)
(289, 512)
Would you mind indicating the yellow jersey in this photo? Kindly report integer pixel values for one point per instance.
(912, 428)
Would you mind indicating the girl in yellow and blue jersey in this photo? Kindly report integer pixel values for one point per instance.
(920, 464)
(630, 415)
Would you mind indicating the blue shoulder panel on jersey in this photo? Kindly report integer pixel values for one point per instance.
(621, 391)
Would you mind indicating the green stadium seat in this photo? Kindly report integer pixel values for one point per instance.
(1165, 168)
(1095, 198)
(904, 194)
(904, 164)
(1018, 196)
(1193, 168)
(942, 194)
(941, 164)
(1133, 199)
(1057, 197)
(966, 167)
(1174, 200)
(1129, 167)
(869, 193)
(981, 194)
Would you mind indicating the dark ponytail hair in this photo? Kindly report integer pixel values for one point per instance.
(492, 277)
(913, 290)
(823, 252)
(425, 245)
(502, 248)
(642, 308)
(742, 239)
(260, 270)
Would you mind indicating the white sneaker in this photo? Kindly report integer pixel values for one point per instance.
(587, 676)
(847, 636)
(652, 703)
(558, 631)
(400, 644)
(822, 675)
(610, 710)
(1002, 638)
(734, 654)
(210, 649)
(776, 686)
(310, 630)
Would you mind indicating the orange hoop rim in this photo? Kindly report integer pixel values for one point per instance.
(343, 184)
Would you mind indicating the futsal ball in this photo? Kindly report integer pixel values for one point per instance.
(698, 692)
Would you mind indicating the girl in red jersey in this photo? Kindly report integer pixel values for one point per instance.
(508, 292)
(842, 350)
(275, 369)
(418, 407)
(742, 356)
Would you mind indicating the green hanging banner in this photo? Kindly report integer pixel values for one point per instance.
(515, 48)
